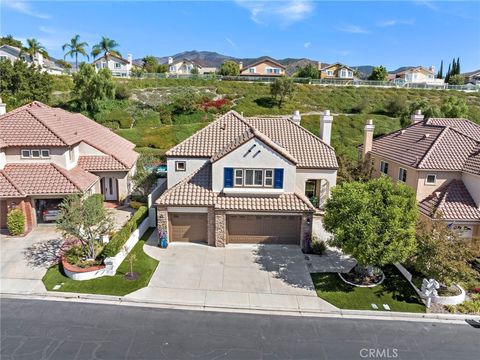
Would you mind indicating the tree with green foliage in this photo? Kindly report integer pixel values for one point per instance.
(194, 71)
(454, 107)
(447, 75)
(91, 87)
(86, 220)
(458, 70)
(144, 180)
(10, 40)
(379, 73)
(64, 64)
(106, 46)
(150, 64)
(229, 68)
(282, 88)
(309, 71)
(428, 110)
(373, 221)
(397, 105)
(15, 222)
(456, 79)
(74, 48)
(440, 71)
(34, 48)
(95, 52)
(21, 83)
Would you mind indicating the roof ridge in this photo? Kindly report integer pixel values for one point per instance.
(45, 125)
(104, 152)
(433, 146)
(466, 135)
(65, 173)
(304, 199)
(6, 176)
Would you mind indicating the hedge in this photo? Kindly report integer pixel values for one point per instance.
(118, 240)
(15, 222)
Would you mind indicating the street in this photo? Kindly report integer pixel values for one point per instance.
(33, 329)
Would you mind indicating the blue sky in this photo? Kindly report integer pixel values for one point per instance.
(356, 33)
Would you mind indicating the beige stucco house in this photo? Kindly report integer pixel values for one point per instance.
(263, 67)
(418, 75)
(440, 159)
(119, 66)
(335, 71)
(247, 180)
(12, 54)
(186, 67)
(48, 153)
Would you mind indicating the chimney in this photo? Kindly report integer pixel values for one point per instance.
(416, 117)
(170, 60)
(367, 138)
(240, 65)
(432, 69)
(326, 126)
(296, 118)
(3, 107)
(130, 59)
(319, 65)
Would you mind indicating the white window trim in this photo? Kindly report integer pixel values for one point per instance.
(244, 185)
(177, 168)
(400, 178)
(329, 72)
(431, 183)
(35, 157)
(250, 70)
(382, 167)
(45, 157)
(235, 177)
(29, 154)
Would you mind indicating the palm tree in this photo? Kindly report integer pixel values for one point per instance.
(33, 48)
(107, 46)
(95, 52)
(75, 47)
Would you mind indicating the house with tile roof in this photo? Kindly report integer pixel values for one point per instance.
(119, 66)
(417, 75)
(48, 153)
(248, 180)
(265, 66)
(186, 67)
(440, 159)
(337, 71)
(13, 53)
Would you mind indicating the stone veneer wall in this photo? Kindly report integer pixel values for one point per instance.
(220, 228)
(211, 227)
(162, 219)
(306, 229)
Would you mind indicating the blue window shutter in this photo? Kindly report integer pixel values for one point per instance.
(278, 182)
(227, 177)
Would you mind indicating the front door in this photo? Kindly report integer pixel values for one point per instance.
(110, 189)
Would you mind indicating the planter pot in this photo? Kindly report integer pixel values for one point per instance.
(78, 273)
(450, 300)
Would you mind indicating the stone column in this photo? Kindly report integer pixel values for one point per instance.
(306, 229)
(162, 219)
(211, 227)
(220, 229)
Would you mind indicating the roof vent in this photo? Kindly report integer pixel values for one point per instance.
(224, 126)
(403, 131)
(426, 136)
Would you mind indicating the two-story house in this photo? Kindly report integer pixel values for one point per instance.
(119, 66)
(247, 180)
(48, 153)
(335, 71)
(186, 67)
(417, 75)
(263, 67)
(440, 159)
(12, 53)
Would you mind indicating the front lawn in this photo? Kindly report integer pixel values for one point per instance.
(395, 291)
(108, 285)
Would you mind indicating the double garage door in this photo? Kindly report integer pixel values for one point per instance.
(241, 229)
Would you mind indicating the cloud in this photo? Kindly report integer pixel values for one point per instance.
(428, 4)
(393, 22)
(282, 12)
(25, 8)
(353, 29)
(307, 44)
(46, 30)
(232, 43)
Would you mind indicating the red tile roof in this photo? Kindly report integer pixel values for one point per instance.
(8, 188)
(99, 163)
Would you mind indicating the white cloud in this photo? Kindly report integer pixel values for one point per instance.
(25, 8)
(282, 12)
(307, 44)
(353, 29)
(393, 22)
(232, 43)
(47, 30)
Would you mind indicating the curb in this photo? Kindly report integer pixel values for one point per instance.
(343, 314)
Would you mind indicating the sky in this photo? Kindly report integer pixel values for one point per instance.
(388, 33)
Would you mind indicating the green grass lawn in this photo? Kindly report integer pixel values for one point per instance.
(394, 291)
(108, 285)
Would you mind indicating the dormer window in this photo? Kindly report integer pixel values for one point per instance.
(25, 154)
(35, 154)
(45, 153)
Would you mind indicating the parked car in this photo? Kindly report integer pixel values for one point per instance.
(50, 214)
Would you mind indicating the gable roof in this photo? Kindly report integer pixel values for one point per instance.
(8, 189)
(37, 124)
(336, 64)
(262, 60)
(111, 55)
(414, 69)
(284, 136)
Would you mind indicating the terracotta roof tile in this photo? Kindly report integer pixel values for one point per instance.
(8, 188)
(99, 162)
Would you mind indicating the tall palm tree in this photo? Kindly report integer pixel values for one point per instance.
(107, 46)
(75, 47)
(95, 52)
(33, 48)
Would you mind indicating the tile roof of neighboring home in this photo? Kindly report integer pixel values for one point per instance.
(37, 124)
(472, 165)
(99, 162)
(8, 188)
(48, 178)
(437, 143)
(262, 60)
(195, 190)
(308, 150)
(453, 200)
(335, 64)
(111, 55)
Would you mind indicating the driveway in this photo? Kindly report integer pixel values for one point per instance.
(24, 260)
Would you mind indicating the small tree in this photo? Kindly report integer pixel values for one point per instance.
(229, 68)
(91, 87)
(150, 64)
(308, 71)
(15, 222)
(456, 79)
(131, 258)
(282, 88)
(454, 107)
(373, 221)
(379, 73)
(144, 180)
(85, 220)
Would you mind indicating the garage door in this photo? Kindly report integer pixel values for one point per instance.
(263, 229)
(188, 227)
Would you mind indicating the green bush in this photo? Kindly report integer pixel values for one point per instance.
(122, 92)
(118, 240)
(319, 247)
(15, 222)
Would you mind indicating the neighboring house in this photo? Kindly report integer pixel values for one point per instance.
(440, 159)
(472, 77)
(12, 53)
(47, 153)
(247, 180)
(417, 75)
(185, 67)
(335, 71)
(119, 66)
(263, 67)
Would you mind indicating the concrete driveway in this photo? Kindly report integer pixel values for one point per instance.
(24, 260)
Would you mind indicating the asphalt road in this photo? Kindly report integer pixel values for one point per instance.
(32, 329)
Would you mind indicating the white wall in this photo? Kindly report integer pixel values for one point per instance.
(174, 177)
(314, 174)
(58, 155)
(266, 159)
(472, 182)
(3, 159)
(86, 149)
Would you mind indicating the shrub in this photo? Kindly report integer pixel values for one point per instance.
(165, 114)
(15, 222)
(318, 247)
(122, 92)
(118, 240)
(136, 204)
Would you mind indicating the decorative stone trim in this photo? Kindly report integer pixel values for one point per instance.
(306, 230)
(211, 226)
(220, 229)
(162, 220)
